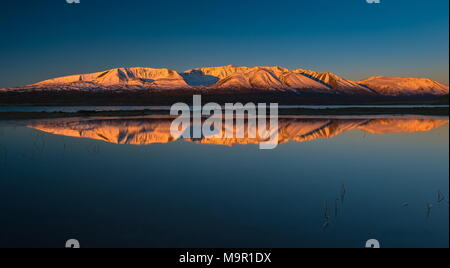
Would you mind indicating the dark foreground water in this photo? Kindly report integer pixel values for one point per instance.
(332, 182)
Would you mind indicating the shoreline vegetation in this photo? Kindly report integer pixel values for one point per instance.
(152, 98)
(425, 111)
(163, 98)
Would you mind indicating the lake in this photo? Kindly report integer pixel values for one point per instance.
(75, 109)
(125, 182)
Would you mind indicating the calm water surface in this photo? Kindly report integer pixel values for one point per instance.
(121, 182)
(74, 109)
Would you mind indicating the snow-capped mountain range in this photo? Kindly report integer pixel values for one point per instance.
(239, 78)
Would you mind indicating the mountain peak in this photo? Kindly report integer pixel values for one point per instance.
(395, 86)
(266, 78)
(137, 76)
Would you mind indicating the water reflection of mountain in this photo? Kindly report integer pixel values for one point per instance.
(143, 131)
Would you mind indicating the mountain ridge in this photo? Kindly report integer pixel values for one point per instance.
(235, 78)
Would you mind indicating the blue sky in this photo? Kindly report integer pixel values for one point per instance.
(50, 38)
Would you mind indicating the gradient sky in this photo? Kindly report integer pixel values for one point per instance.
(49, 38)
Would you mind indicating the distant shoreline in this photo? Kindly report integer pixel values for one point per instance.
(167, 98)
(427, 111)
(144, 103)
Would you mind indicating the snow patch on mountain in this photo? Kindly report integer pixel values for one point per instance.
(230, 77)
(270, 78)
(149, 77)
(336, 82)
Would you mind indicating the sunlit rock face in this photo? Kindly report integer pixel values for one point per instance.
(271, 78)
(220, 72)
(150, 77)
(279, 78)
(396, 86)
(237, 78)
(144, 131)
(337, 83)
